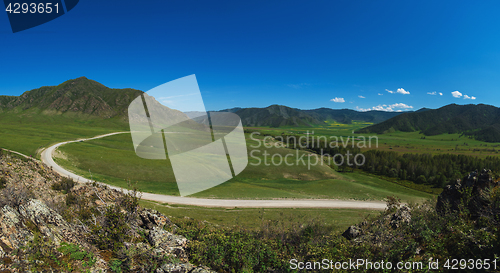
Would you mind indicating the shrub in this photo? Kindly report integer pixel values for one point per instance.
(65, 185)
(111, 232)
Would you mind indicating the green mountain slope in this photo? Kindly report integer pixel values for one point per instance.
(275, 116)
(278, 115)
(347, 115)
(84, 99)
(80, 97)
(480, 120)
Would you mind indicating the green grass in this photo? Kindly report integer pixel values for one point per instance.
(252, 218)
(33, 131)
(112, 160)
(402, 142)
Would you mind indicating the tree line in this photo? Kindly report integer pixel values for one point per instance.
(436, 170)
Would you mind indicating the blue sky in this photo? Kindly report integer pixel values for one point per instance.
(307, 54)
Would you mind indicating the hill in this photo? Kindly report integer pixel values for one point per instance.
(274, 116)
(86, 99)
(347, 115)
(81, 97)
(279, 115)
(480, 121)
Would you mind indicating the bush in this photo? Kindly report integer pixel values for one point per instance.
(111, 231)
(65, 185)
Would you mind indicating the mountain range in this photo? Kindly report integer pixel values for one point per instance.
(481, 121)
(82, 98)
(279, 115)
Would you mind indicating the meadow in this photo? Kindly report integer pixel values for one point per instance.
(32, 131)
(112, 160)
(401, 142)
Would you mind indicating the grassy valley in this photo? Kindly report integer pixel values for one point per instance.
(262, 182)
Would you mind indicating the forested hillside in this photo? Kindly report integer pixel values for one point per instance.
(480, 121)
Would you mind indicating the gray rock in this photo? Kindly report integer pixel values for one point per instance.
(13, 232)
(49, 222)
(160, 238)
(165, 242)
(402, 215)
(450, 198)
(202, 269)
(151, 218)
(177, 268)
(352, 232)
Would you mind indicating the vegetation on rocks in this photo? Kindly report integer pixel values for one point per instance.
(49, 223)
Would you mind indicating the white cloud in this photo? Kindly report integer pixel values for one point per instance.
(401, 105)
(396, 107)
(440, 93)
(380, 94)
(456, 94)
(432, 93)
(402, 91)
(469, 98)
(341, 100)
(361, 97)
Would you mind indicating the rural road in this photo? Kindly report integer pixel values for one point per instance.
(46, 157)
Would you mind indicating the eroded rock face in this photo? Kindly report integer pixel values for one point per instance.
(48, 222)
(151, 218)
(35, 214)
(477, 183)
(13, 232)
(402, 215)
(167, 243)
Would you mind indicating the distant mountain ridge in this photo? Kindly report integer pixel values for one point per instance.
(279, 115)
(482, 121)
(84, 98)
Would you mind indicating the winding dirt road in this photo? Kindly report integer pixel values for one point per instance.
(46, 157)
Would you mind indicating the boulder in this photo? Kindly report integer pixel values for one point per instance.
(165, 242)
(402, 215)
(453, 195)
(352, 232)
(151, 218)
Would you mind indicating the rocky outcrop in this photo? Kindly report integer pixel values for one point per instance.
(13, 232)
(361, 232)
(470, 192)
(42, 229)
(401, 216)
